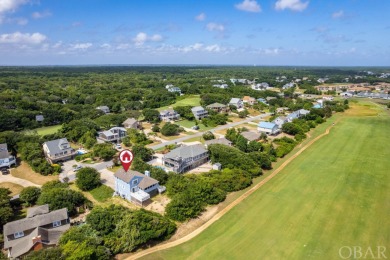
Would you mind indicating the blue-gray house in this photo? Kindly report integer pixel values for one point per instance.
(268, 128)
(135, 186)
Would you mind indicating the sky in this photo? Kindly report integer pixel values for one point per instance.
(231, 32)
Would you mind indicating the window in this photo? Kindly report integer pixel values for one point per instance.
(19, 234)
(56, 223)
(135, 181)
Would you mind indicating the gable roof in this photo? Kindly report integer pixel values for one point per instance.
(267, 125)
(222, 140)
(39, 210)
(186, 151)
(54, 145)
(129, 175)
(234, 100)
(251, 136)
(198, 108)
(130, 121)
(168, 111)
(216, 105)
(4, 151)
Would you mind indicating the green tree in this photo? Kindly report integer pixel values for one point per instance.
(54, 253)
(242, 143)
(151, 115)
(104, 220)
(88, 179)
(142, 152)
(55, 184)
(208, 135)
(30, 195)
(59, 198)
(5, 207)
(170, 129)
(104, 151)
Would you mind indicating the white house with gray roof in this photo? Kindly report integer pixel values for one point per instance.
(237, 102)
(6, 159)
(199, 112)
(104, 109)
(185, 158)
(58, 150)
(135, 186)
(131, 123)
(169, 115)
(115, 134)
(40, 229)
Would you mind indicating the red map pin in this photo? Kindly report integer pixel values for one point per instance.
(126, 157)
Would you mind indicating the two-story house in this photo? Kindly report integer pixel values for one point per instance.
(6, 159)
(237, 102)
(115, 134)
(40, 229)
(58, 150)
(169, 115)
(249, 100)
(135, 186)
(279, 121)
(173, 89)
(218, 107)
(199, 112)
(185, 158)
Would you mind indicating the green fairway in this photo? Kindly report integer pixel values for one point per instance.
(335, 194)
(193, 101)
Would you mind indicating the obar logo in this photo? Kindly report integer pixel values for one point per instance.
(358, 252)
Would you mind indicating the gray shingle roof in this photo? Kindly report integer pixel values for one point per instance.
(186, 152)
(216, 105)
(130, 121)
(251, 136)
(222, 140)
(128, 176)
(54, 145)
(198, 108)
(3, 151)
(234, 101)
(39, 210)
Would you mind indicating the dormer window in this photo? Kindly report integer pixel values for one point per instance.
(135, 182)
(56, 223)
(19, 234)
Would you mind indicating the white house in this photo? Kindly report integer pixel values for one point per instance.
(6, 160)
(173, 89)
(199, 112)
(279, 121)
(346, 94)
(237, 102)
(169, 115)
(268, 128)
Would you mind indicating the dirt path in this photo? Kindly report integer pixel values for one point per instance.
(230, 206)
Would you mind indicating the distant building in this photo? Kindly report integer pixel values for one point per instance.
(222, 140)
(169, 115)
(104, 109)
(288, 85)
(131, 123)
(222, 86)
(185, 158)
(346, 94)
(199, 112)
(40, 229)
(249, 100)
(39, 118)
(58, 150)
(135, 186)
(217, 166)
(268, 128)
(237, 102)
(173, 89)
(6, 159)
(115, 134)
(279, 121)
(218, 107)
(251, 136)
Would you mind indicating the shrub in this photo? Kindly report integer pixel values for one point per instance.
(170, 129)
(88, 179)
(30, 195)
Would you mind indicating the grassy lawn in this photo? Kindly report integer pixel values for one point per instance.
(193, 100)
(47, 130)
(102, 193)
(13, 187)
(24, 171)
(334, 194)
(185, 123)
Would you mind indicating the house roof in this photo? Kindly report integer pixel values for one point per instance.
(168, 111)
(248, 98)
(216, 105)
(186, 151)
(130, 121)
(303, 111)
(251, 136)
(4, 151)
(39, 210)
(234, 100)
(222, 140)
(267, 125)
(198, 108)
(129, 175)
(54, 146)
(35, 221)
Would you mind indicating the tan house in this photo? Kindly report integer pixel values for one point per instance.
(249, 100)
(131, 123)
(218, 107)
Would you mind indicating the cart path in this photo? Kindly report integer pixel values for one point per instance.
(231, 205)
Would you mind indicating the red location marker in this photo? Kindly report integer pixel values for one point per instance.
(126, 157)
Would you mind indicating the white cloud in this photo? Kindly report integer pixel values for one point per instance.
(338, 14)
(212, 27)
(201, 17)
(294, 5)
(105, 46)
(249, 6)
(194, 47)
(11, 5)
(213, 48)
(81, 46)
(22, 38)
(39, 15)
(142, 37)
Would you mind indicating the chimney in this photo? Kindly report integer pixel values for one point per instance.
(147, 173)
(37, 243)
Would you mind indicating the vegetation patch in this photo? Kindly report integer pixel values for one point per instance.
(102, 193)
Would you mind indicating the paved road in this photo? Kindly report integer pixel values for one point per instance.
(68, 168)
(21, 182)
(222, 127)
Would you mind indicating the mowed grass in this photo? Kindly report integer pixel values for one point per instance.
(13, 187)
(47, 130)
(335, 194)
(102, 193)
(193, 100)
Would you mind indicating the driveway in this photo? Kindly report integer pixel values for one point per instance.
(21, 182)
(107, 178)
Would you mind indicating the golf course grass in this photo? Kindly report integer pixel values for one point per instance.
(192, 100)
(46, 130)
(335, 194)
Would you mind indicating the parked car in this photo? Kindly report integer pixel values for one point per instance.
(4, 171)
(76, 168)
(195, 127)
(118, 146)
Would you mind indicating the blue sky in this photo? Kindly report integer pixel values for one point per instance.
(242, 32)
